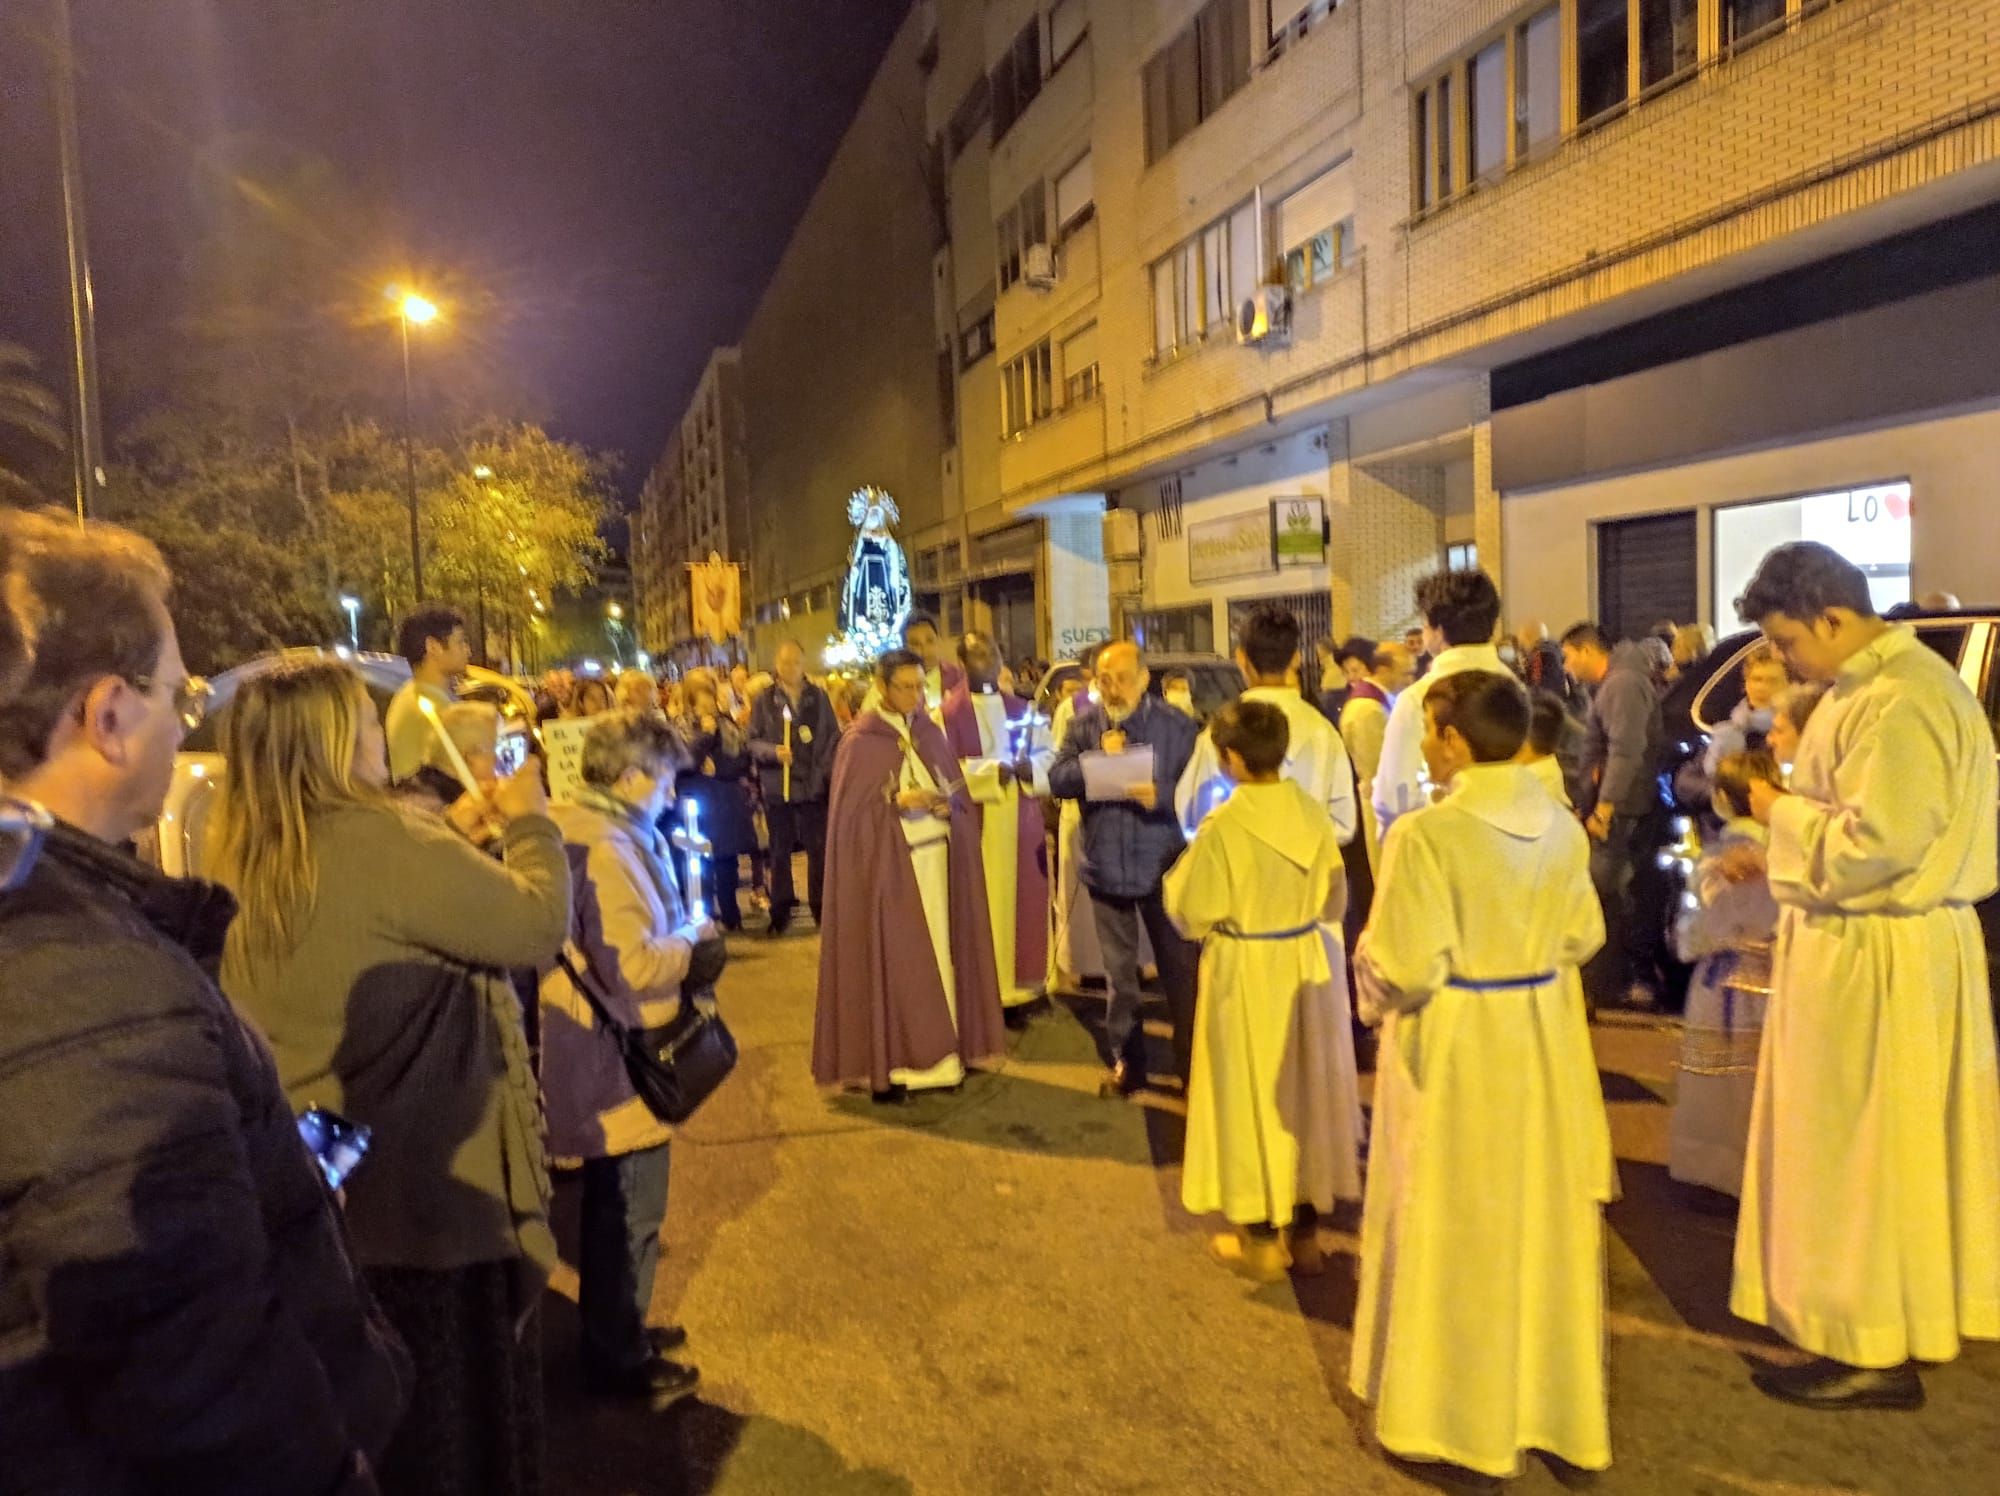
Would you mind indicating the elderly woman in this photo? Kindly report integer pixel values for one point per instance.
(718, 782)
(370, 949)
(635, 945)
(591, 698)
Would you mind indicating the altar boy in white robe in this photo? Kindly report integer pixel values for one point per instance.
(1274, 1109)
(1479, 1331)
(1870, 1226)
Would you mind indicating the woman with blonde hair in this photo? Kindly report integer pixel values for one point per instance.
(370, 948)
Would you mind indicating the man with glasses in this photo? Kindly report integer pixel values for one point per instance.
(175, 1291)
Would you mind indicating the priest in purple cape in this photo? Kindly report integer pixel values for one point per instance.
(908, 992)
(993, 733)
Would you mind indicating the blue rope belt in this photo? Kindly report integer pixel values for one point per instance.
(1499, 984)
(1229, 933)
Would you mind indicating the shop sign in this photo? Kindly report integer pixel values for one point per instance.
(1237, 546)
(1298, 528)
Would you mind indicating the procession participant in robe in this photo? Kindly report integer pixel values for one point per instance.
(1316, 761)
(1074, 956)
(1460, 610)
(1274, 1110)
(993, 733)
(1479, 1331)
(1870, 1227)
(1130, 838)
(907, 991)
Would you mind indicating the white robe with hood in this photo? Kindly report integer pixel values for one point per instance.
(1480, 1326)
(1274, 1108)
(1870, 1227)
(1315, 759)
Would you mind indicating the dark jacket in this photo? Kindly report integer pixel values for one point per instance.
(815, 734)
(178, 1308)
(1127, 850)
(1621, 751)
(720, 782)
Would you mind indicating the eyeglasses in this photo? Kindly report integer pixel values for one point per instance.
(191, 697)
(23, 824)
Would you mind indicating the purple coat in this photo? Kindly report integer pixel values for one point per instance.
(880, 1009)
(1031, 903)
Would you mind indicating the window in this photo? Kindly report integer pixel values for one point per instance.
(1603, 80)
(1461, 556)
(975, 342)
(1287, 19)
(1486, 111)
(1021, 226)
(1026, 390)
(1871, 527)
(1313, 228)
(1666, 39)
(1193, 75)
(1017, 78)
(947, 377)
(1441, 134)
(1197, 286)
(1075, 196)
(1068, 20)
(1079, 365)
(1421, 131)
(1742, 19)
(1537, 81)
(972, 113)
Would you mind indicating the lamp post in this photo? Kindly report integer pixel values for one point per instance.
(614, 625)
(86, 445)
(411, 307)
(353, 606)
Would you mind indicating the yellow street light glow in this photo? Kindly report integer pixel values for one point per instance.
(418, 310)
(613, 610)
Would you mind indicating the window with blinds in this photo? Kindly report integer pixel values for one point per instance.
(1079, 365)
(1312, 229)
(1076, 195)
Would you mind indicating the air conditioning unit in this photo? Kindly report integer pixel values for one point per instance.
(1266, 316)
(1038, 266)
(1121, 534)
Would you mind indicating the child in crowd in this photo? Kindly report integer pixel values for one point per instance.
(1274, 1109)
(1794, 706)
(1480, 1326)
(1728, 935)
(1546, 721)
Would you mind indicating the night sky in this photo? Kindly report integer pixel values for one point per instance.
(619, 176)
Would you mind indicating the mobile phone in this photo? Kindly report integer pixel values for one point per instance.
(336, 1143)
(511, 754)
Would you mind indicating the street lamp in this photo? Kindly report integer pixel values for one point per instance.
(410, 307)
(482, 474)
(614, 624)
(353, 606)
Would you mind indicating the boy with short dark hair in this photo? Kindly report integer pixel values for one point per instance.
(1274, 1111)
(1480, 1326)
(1547, 721)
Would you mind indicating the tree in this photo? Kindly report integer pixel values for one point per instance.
(27, 409)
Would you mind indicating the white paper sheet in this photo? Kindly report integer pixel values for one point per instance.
(1110, 776)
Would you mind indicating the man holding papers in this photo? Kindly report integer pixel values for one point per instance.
(1122, 759)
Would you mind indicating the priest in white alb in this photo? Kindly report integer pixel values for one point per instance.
(1316, 761)
(1479, 1330)
(993, 732)
(1870, 1227)
(1274, 1111)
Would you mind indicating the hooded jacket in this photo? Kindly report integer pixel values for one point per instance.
(1622, 738)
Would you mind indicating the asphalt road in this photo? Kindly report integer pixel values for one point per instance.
(999, 1292)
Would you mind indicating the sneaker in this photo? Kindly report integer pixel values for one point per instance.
(654, 1378)
(1262, 1259)
(1124, 1079)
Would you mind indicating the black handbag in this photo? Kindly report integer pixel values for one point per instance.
(673, 1069)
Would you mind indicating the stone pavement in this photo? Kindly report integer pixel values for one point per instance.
(998, 1292)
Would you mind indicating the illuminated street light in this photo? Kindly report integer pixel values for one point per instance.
(410, 307)
(353, 606)
(614, 611)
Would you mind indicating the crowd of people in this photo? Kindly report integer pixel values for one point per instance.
(403, 943)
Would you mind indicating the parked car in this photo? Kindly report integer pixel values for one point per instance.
(176, 841)
(1212, 680)
(1967, 639)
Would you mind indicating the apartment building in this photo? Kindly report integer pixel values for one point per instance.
(695, 503)
(1310, 298)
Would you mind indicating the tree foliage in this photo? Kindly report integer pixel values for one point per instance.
(30, 419)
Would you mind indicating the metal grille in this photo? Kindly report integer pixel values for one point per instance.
(1314, 611)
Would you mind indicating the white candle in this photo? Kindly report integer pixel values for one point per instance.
(788, 749)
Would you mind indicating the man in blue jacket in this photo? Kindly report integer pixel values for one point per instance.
(1128, 845)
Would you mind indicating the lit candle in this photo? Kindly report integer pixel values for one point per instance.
(692, 844)
(788, 750)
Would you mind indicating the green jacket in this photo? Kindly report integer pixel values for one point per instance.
(394, 1010)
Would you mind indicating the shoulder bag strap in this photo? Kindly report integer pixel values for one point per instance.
(583, 985)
